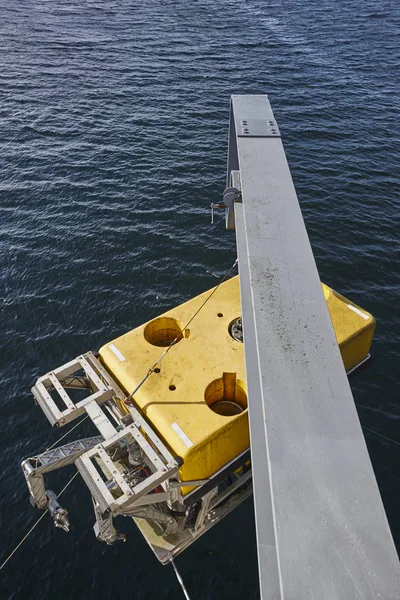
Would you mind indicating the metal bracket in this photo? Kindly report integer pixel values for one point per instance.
(205, 506)
(231, 196)
(104, 529)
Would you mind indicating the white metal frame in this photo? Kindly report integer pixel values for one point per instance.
(101, 392)
(128, 496)
(93, 459)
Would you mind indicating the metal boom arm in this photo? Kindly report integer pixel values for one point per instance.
(321, 528)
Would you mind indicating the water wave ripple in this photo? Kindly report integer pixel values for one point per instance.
(113, 119)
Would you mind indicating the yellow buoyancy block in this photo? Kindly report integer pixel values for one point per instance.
(196, 399)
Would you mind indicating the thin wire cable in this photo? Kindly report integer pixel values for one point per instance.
(381, 435)
(22, 541)
(150, 371)
(37, 523)
(62, 437)
(179, 578)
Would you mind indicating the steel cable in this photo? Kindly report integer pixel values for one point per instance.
(37, 523)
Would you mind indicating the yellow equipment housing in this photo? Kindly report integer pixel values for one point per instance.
(196, 399)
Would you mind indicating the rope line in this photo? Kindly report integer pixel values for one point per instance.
(62, 437)
(23, 539)
(381, 435)
(150, 371)
(34, 525)
(179, 578)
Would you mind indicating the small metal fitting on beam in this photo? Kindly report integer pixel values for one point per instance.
(213, 207)
(230, 196)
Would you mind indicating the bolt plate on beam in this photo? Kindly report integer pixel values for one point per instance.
(257, 128)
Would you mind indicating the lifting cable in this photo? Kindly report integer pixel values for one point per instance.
(37, 522)
(381, 435)
(178, 575)
(47, 510)
(150, 371)
(62, 437)
(179, 578)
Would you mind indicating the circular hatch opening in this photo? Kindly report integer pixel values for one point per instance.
(163, 331)
(226, 396)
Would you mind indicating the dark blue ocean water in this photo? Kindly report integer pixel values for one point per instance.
(113, 138)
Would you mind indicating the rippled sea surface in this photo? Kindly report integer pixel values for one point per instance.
(113, 139)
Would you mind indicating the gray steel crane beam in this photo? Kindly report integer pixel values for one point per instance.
(321, 527)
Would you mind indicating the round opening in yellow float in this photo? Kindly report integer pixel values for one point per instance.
(226, 396)
(164, 331)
